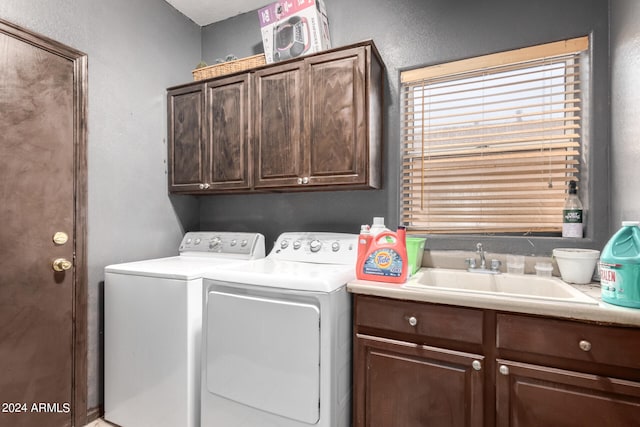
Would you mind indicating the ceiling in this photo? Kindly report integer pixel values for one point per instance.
(205, 12)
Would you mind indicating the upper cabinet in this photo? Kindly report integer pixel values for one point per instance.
(186, 138)
(209, 136)
(309, 123)
(227, 110)
(278, 125)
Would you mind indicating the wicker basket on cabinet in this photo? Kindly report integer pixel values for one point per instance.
(229, 67)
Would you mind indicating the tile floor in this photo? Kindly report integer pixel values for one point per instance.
(99, 423)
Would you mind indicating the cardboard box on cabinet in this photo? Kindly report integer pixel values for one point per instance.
(293, 28)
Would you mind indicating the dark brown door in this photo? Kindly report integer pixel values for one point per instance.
(531, 395)
(186, 138)
(42, 230)
(337, 137)
(278, 126)
(401, 384)
(228, 134)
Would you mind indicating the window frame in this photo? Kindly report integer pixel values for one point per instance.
(594, 175)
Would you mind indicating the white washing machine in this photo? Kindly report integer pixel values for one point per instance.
(152, 330)
(277, 336)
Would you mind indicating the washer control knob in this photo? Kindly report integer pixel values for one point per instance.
(244, 243)
(297, 245)
(215, 243)
(315, 245)
(284, 244)
(234, 242)
(335, 246)
(197, 241)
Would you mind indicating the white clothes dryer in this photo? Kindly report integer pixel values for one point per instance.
(152, 329)
(277, 336)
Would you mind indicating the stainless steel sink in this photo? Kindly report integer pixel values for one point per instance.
(504, 285)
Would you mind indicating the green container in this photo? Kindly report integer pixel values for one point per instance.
(415, 250)
(620, 267)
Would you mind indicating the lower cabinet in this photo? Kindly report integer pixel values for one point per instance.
(417, 364)
(413, 385)
(422, 364)
(531, 395)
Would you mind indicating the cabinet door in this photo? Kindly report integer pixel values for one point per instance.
(228, 133)
(400, 384)
(337, 139)
(531, 395)
(278, 129)
(186, 138)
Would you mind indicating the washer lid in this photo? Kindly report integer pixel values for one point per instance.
(178, 267)
(285, 275)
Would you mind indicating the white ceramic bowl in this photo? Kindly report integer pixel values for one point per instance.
(576, 265)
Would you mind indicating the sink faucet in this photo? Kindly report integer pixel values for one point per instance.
(471, 262)
(480, 250)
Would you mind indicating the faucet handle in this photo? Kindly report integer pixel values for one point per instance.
(479, 248)
(471, 262)
(495, 264)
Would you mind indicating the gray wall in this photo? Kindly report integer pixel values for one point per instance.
(136, 50)
(625, 111)
(412, 33)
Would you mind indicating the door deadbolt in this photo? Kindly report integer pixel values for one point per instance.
(60, 238)
(61, 264)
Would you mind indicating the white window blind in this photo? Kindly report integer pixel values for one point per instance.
(491, 142)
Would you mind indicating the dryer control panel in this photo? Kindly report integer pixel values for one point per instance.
(249, 245)
(319, 247)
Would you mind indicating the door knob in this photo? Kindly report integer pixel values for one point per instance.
(61, 264)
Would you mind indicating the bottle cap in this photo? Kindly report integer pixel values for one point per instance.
(378, 220)
(572, 187)
(630, 223)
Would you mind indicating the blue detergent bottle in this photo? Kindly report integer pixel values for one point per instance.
(620, 267)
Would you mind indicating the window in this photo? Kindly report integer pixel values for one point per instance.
(490, 143)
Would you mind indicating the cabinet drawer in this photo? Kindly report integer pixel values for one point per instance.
(609, 345)
(419, 319)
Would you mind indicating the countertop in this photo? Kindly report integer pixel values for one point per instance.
(600, 313)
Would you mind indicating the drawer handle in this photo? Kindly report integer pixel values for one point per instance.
(504, 370)
(412, 321)
(476, 365)
(585, 345)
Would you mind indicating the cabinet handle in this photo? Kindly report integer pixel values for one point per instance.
(305, 180)
(206, 186)
(201, 186)
(299, 180)
(412, 321)
(504, 370)
(585, 345)
(476, 365)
